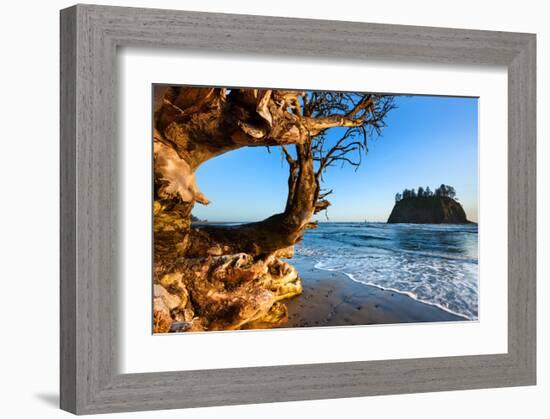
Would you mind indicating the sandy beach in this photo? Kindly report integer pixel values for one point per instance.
(333, 299)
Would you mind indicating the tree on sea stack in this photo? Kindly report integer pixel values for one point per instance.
(209, 277)
(425, 207)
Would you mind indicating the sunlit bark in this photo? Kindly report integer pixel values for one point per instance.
(193, 125)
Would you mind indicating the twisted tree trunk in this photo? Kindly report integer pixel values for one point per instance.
(195, 125)
(192, 126)
(209, 277)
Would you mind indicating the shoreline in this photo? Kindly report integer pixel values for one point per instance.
(333, 299)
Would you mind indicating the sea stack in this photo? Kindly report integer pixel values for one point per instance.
(428, 210)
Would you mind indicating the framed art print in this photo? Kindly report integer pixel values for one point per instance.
(254, 215)
(236, 271)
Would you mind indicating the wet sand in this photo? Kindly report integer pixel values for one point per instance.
(333, 299)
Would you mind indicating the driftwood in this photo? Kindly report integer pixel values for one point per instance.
(193, 125)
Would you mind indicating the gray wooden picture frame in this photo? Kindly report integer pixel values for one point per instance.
(90, 36)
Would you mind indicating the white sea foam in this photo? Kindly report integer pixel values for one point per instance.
(407, 293)
(436, 265)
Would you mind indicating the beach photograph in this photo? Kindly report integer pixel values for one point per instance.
(278, 208)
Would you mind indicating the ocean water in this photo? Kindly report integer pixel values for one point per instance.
(435, 264)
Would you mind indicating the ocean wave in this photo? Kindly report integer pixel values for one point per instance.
(407, 293)
(371, 237)
(311, 251)
(432, 264)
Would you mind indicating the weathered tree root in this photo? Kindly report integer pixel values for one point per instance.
(224, 293)
(216, 278)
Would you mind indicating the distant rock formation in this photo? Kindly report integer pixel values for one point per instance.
(197, 219)
(428, 210)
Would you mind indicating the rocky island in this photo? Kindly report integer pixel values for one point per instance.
(425, 207)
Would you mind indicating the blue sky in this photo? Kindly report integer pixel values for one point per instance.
(428, 141)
